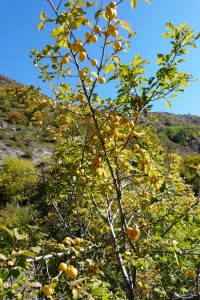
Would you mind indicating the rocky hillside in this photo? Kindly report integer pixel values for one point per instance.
(179, 133)
(17, 137)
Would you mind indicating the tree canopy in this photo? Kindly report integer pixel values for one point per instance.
(117, 220)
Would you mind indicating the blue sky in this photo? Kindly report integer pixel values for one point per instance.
(19, 35)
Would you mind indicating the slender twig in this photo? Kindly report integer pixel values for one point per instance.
(53, 7)
(59, 5)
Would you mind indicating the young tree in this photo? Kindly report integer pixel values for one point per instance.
(123, 216)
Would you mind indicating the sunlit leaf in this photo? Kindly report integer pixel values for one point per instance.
(109, 68)
(168, 103)
(40, 26)
(36, 284)
(75, 293)
(182, 26)
(184, 83)
(132, 33)
(94, 74)
(19, 236)
(125, 25)
(168, 35)
(98, 13)
(57, 31)
(170, 26)
(10, 232)
(4, 274)
(117, 59)
(3, 257)
(173, 96)
(90, 4)
(133, 3)
(43, 16)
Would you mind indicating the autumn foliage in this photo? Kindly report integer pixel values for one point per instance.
(113, 224)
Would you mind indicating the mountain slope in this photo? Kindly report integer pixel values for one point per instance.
(17, 137)
(178, 133)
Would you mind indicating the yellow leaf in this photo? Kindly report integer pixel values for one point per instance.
(109, 68)
(40, 25)
(125, 25)
(36, 284)
(117, 59)
(57, 31)
(133, 3)
(43, 16)
(168, 103)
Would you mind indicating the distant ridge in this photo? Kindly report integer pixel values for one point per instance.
(5, 79)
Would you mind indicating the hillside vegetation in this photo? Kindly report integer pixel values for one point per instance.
(21, 138)
(18, 137)
(28, 159)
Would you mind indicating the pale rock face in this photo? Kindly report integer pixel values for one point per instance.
(5, 79)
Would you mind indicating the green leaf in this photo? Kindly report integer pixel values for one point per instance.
(182, 26)
(80, 3)
(57, 31)
(183, 51)
(15, 273)
(64, 86)
(1, 284)
(75, 293)
(117, 59)
(10, 232)
(3, 257)
(188, 38)
(193, 45)
(181, 60)
(170, 26)
(53, 261)
(184, 83)
(140, 71)
(160, 291)
(18, 235)
(137, 60)
(28, 254)
(40, 26)
(132, 33)
(6, 292)
(20, 296)
(168, 103)
(61, 42)
(109, 68)
(90, 4)
(112, 78)
(168, 35)
(97, 14)
(159, 61)
(4, 274)
(36, 284)
(43, 16)
(174, 96)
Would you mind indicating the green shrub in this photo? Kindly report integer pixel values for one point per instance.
(18, 179)
(15, 215)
